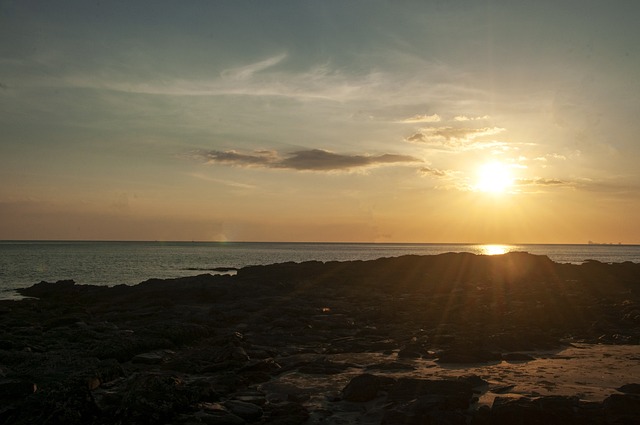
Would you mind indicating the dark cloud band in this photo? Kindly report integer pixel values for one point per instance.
(304, 160)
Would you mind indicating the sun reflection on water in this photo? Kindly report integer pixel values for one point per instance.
(494, 249)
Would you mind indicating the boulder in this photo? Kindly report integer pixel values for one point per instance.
(16, 388)
(363, 387)
(154, 398)
(409, 353)
(552, 410)
(466, 355)
(286, 413)
(247, 411)
(517, 357)
(456, 391)
(630, 389)
(622, 408)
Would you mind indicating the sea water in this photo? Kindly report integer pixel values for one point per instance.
(23, 263)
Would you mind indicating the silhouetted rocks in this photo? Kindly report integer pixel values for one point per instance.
(468, 355)
(362, 388)
(517, 357)
(264, 346)
(558, 410)
(630, 389)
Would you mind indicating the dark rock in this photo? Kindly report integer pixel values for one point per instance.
(49, 289)
(322, 366)
(299, 397)
(107, 371)
(543, 411)
(409, 353)
(153, 358)
(126, 346)
(68, 402)
(247, 411)
(517, 357)
(206, 389)
(154, 398)
(265, 365)
(16, 388)
(255, 397)
(630, 389)
(429, 409)
(98, 353)
(391, 366)
(6, 345)
(502, 389)
(410, 388)
(219, 417)
(286, 413)
(466, 355)
(474, 380)
(622, 408)
(362, 388)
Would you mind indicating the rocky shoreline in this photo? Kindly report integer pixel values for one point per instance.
(307, 343)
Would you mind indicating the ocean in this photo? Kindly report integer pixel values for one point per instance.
(23, 263)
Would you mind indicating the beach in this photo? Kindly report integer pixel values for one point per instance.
(455, 338)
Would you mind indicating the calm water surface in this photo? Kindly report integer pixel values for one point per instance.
(109, 263)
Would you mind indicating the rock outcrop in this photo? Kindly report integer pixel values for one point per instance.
(265, 346)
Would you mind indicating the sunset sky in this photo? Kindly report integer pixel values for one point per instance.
(363, 121)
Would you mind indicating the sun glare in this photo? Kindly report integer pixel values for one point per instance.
(494, 249)
(493, 177)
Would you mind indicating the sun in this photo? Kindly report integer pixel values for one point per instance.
(493, 177)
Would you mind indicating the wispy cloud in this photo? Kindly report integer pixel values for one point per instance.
(271, 75)
(230, 183)
(421, 119)
(541, 182)
(435, 172)
(612, 187)
(304, 160)
(247, 71)
(257, 79)
(255, 158)
(548, 157)
(456, 138)
(466, 118)
(446, 179)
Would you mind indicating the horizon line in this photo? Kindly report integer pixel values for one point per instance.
(589, 243)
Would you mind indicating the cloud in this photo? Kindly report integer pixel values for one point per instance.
(429, 171)
(258, 79)
(547, 157)
(540, 182)
(247, 71)
(446, 179)
(421, 118)
(321, 160)
(466, 118)
(611, 187)
(257, 158)
(456, 138)
(230, 183)
(304, 160)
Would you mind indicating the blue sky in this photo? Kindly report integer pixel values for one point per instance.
(332, 120)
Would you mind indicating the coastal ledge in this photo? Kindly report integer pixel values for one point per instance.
(338, 342)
